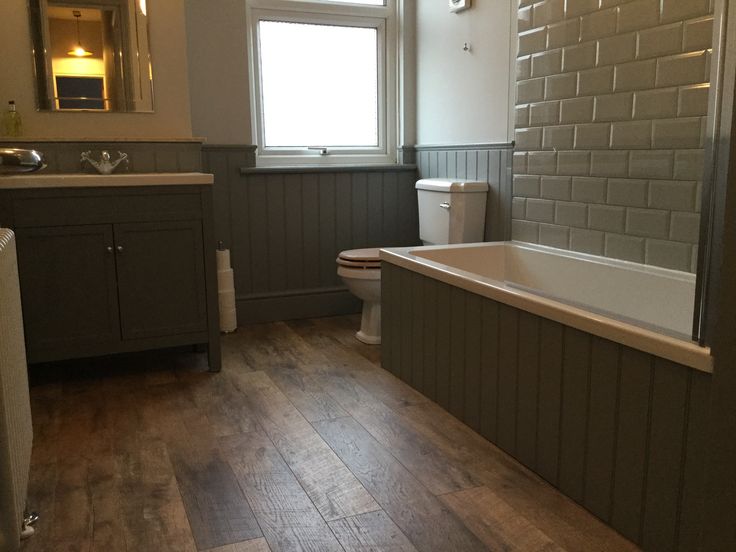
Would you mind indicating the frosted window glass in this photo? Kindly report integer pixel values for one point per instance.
(319, 85)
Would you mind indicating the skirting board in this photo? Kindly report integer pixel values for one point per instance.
(309, 304)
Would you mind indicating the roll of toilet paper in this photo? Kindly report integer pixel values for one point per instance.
(226, 292)
(223, 259)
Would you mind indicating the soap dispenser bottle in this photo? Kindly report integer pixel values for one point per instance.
(12, 123)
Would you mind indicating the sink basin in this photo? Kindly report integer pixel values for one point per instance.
(18, 161)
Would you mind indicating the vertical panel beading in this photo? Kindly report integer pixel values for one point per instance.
(390, 197)
(417, 331)
(604, 380)
(670, 390)
(375, 211)
(489, 371)
(360, 209)
(457, 351)
(276, 232)
(327, 230)
(443, 345)
(257, 232)
(406, 324)
(528, 387)
(508, 342)
(574, 413)
(310, 229)
(473, 328)
(429, 346)
(550, 390)
(294, 254)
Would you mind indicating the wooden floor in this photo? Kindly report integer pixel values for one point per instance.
(302, 442)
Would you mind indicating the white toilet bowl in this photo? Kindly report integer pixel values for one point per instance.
(360, 269)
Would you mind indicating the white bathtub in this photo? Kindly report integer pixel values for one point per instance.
(647, 308)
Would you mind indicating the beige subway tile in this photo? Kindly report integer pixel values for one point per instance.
(548, 11)
(571, 214)
(526, 185)
(563, 33)
(631, 135)
(626, 248)
(545, 113)
(637, 75)
(556, 187)
(554, 236)
(598, 24)
(589, 189)
(580, 7)
(651, 164)
(558, 87)
(655, 104)
(609, 163)
(577, 110)
(689, 164)
(529, 91)
(629, 192)
(522, 230)
(593, 136)
(672, 194)
(638, 15)
(682, 69)
(523, 3)
(521, 116)
(693, 101)
(668, 254)
(699, 34)
(614, 107)
(678, 10)
(616, 49)
(524, 19)
(519, 162)
(558, 137)
(573, 163)
(660, 41)
(685, 227)
(523, 68)
(528, 138)
(610, 3)
(540, 210)
(532, 41)
(676, 133)
(581, 56)
(546, 63)
(542, 162)
(647, 223)
(595, 81)
(518, 208)
(606, 217)
(586, 241)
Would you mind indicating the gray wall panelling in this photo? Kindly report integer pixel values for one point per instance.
(143, 157)
(486, 162)
(621, 432)
(286, 228)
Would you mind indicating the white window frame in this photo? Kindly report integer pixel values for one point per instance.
(384, 20)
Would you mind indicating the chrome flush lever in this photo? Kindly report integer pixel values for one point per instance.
(321, 150)
(445, 205)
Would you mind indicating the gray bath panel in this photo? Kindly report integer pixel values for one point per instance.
(619, 431)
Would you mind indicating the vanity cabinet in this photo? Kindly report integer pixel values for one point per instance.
(108, 270)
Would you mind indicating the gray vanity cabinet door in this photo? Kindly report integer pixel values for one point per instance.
(68, 288)
(160, 278)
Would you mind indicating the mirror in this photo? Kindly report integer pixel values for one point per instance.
(92, 55)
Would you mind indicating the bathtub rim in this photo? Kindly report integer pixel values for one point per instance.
(687, 353)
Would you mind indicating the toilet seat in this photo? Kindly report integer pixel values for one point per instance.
(359, 273)
(370, 255)
(367, 265)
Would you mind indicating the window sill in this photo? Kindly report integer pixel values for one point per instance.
(326, 169)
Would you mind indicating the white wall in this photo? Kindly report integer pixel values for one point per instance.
(218, 69)
(171, 119)
(463, 97)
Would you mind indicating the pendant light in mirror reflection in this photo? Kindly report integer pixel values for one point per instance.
(92, 55)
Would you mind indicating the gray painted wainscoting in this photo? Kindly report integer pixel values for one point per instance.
(488, 162)
(621, 432)
(285, 227)
(143, 156)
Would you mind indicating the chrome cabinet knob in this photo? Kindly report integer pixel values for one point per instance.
(445, 205)
(119, 248)
(109, 249)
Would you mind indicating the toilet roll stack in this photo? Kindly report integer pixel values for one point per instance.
(226, 292)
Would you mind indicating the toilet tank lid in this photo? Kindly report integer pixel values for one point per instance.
(451, 185)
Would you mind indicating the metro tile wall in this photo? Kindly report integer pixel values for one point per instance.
(610, 121)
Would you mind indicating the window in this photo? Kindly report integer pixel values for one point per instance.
(323, 77)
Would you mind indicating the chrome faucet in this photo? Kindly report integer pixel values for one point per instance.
(105, 165)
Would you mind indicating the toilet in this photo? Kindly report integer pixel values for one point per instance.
(450, 211)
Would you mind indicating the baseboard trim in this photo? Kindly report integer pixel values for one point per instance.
(295, 304)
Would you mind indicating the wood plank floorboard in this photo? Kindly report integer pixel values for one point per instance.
(302, 442)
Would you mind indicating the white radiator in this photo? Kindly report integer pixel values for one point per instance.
(16, 433)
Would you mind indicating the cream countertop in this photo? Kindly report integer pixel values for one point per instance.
(48, 180)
